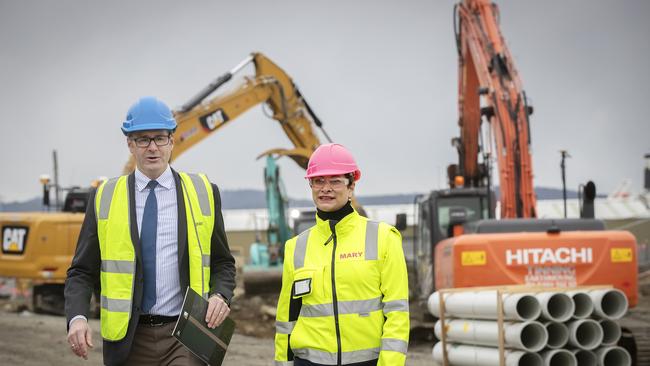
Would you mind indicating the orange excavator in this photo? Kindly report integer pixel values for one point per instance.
(489, 87)
(458, 243)
(39, 246)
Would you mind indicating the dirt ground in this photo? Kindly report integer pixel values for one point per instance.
(37, 340)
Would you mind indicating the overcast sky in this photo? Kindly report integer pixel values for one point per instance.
(381, 75)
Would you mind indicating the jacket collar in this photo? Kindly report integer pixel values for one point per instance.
(347, 224)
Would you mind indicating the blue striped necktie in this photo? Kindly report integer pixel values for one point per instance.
(148, 242)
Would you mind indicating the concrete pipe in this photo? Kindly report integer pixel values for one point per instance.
(585, 334)
(609, 303)
(464, 355)
(529, 336)
(584, 307)
(559, 357)
(556, 306)
(483, 305)
(558, 334)
(585, 358)
(611, 332)
(613, 356)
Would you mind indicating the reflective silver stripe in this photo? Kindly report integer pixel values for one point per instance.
(201, 193)
(123, 306)
(359, 306)
(329, 358)
(396, 305)
(206, 260)
(283, 363)
(314, 311)
(113, 266)
(301, 249)
(205, 295)
(392, 344)
(284, 327)
(345, 307)
(372, 233)
(359, 356)
(107, 197)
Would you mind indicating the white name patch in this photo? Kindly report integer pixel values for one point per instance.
(302, 287)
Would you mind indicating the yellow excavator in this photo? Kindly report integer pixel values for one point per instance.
(198, 118)
(39, 246)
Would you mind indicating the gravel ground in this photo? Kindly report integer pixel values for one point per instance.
(38, 340)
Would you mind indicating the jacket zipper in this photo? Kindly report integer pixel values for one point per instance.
(334, 298)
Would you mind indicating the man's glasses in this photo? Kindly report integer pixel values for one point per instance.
(160, 140)
(335, 182)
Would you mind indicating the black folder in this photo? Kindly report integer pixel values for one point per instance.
(192, 331)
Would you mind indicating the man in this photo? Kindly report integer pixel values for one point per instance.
(344, 297)
(146, 237)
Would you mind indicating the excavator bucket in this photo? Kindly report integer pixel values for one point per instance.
(262, 281)
(263, 274)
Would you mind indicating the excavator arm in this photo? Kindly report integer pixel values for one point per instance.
(199, 118)
(489, 86)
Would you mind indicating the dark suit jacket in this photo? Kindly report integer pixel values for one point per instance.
(83, 274)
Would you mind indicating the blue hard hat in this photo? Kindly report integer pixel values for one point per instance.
(149, 113)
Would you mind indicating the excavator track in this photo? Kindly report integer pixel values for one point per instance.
(636, 325)
(636, 337)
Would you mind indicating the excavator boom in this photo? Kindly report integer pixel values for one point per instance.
(489, 86)
(200, 116)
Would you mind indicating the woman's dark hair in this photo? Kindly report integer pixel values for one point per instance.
(350, 177)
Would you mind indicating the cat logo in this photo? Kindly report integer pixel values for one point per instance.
(13, 239)
(213, 120)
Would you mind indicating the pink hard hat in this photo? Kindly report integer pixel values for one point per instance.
(332, 159)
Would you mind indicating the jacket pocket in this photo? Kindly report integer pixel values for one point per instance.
(303, 282)
(308, 282)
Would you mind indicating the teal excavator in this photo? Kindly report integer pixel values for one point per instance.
(269, 255)
(263, 273)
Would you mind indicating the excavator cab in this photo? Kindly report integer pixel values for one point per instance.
(76, 200)
(438, 213)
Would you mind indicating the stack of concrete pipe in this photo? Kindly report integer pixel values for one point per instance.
(572, 328)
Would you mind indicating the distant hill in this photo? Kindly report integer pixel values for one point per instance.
(243, 199)
(34, 204)
(545, 193)
(252, 198)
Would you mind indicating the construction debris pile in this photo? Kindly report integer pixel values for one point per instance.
(255, 314)
(519, 326)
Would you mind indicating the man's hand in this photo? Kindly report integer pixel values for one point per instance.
(218, 310)
(80, 338)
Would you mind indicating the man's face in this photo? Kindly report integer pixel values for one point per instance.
(151, 159)
(330, 193)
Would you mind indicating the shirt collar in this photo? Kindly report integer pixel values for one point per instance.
(165, 180)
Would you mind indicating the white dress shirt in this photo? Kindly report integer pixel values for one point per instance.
(169, 297)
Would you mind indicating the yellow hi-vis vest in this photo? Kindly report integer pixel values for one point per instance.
(344, 298)
(118, 254)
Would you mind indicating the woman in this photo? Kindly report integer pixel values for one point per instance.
(344, 298)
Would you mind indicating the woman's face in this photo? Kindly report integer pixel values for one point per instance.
(330, 193)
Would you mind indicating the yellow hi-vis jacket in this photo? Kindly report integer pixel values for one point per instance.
(344, 295)
(117, 252)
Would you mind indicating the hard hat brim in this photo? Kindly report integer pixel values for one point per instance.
(331, 172)
(147, 127)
